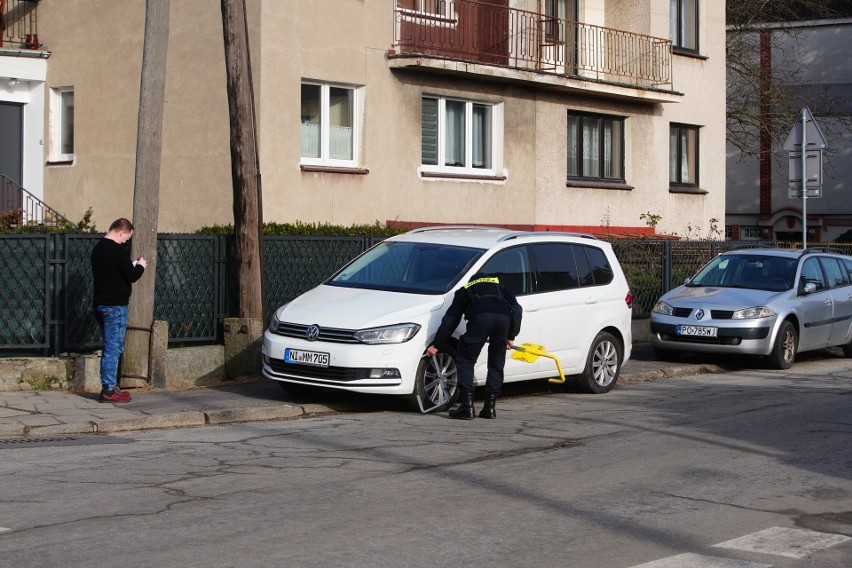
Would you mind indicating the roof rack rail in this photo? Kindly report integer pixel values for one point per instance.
(751, 246)
(545, 234)
(810, 250)
(453, 227)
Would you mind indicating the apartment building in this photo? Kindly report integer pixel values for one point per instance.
(541, 114)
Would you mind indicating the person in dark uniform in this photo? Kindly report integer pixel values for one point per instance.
(493, 315)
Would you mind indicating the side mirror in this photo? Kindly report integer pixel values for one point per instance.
(809, 288)
(687, 280)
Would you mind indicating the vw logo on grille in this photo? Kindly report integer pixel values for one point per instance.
(699, 314)
(312, 332)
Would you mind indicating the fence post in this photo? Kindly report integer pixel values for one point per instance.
(667, 266)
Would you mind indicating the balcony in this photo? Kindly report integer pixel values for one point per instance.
(513, 45)
(19, 25)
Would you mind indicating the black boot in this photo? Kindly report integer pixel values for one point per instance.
(465, 411)
(488, 410)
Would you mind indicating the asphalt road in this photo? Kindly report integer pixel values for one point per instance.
(742, 469)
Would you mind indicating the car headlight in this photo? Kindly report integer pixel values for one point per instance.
(662, 308)
(273, 321)
(390, 334)
(753, 313)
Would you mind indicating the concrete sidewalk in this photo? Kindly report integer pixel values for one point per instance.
(57, 413)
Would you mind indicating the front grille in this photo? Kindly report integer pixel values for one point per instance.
(721, 314)
(681, 312)
(343, 374)
(328, 334)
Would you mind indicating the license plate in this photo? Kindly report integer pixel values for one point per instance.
(697, 330)
(314, 358)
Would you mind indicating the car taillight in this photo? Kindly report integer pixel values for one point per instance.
(628, 299)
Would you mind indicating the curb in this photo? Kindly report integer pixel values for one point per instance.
(644, 376)
(173, 420)
(189, 419)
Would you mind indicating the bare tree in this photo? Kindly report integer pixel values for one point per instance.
(766, 87)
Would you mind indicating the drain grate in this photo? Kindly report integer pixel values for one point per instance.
(34, 440)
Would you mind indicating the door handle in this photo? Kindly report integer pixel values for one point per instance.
(591, 301)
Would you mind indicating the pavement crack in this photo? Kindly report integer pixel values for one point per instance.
(724, 504)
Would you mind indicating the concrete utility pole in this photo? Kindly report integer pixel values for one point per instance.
(146, 194)
(245, 170)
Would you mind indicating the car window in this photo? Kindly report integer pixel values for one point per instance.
(811, 272)
(601, 270)
(584, 269)
(848, 263)
(759, 272)
(555, 268)
(834, 272)
(417, 268)
(512, 268)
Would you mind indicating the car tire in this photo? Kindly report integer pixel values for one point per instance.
(436, 382)
(785, 347)
(603, 364)
(666, 355)
(847, 349)
(297, 389)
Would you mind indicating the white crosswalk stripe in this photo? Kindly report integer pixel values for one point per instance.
(4, 529)
(792, 543)
(700, 561)
(778, 541)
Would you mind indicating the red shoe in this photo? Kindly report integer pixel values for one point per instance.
(114, 395)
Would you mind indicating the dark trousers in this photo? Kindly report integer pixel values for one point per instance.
(490, 327)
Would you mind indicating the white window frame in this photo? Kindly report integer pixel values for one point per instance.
(324, 158)
(496, 128)
(436, 8)
(57, 130)
(751, 233)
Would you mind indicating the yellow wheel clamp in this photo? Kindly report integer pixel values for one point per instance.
(529, 352)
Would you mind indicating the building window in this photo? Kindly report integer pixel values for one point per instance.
(684, 24)
(556, 13)
(683, 155)
(750, 233)
(595, 147)
(329, 135)
(62, 124)
(459, 136)
(440, 8)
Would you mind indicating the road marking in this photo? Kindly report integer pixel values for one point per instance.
(4, 529)
(792, 543)
(690, 560)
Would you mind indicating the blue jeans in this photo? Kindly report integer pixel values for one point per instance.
(113, 322)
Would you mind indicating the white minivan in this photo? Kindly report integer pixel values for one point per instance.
(367, 327)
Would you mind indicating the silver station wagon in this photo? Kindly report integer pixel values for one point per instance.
(760, 301)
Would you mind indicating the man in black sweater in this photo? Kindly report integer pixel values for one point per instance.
(114, 273)
(494, 316)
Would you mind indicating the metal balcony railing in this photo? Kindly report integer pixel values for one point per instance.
(474, 31)
(19, 24)
(19, 208)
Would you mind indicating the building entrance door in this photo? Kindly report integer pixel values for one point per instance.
(11, 155)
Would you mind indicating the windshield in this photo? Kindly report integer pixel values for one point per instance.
(773, 273)
(415, 268)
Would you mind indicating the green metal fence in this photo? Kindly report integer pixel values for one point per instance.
(46, 281)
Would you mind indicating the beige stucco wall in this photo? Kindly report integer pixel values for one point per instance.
(97, 49)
